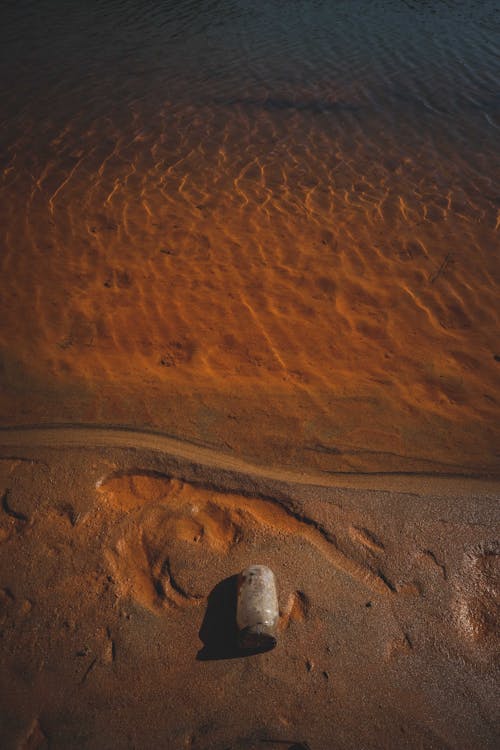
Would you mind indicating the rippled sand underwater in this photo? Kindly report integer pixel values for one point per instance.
(283, 243)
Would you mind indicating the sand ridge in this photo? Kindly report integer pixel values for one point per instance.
(208, 459)
(166, 508)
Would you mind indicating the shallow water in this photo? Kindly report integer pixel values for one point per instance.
(271, 228)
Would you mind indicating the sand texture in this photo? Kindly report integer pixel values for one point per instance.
(118, 593)
(249, 313)
(256, 279)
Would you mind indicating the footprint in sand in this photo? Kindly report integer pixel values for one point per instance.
(478, 600)
(296, 610)
(162, 520)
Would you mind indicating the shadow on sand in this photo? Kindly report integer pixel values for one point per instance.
(218, 632)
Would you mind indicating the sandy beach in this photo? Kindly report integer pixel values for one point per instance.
(249, 315)
(118, 603)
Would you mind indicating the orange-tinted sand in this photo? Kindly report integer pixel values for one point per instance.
(117, 609)
(268, 291)
(249, 313)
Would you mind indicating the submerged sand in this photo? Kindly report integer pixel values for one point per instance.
(302, 290)
(117, 605)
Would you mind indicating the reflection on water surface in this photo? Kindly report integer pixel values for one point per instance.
(267, 227)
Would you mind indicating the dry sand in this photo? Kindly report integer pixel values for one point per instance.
(117, 602)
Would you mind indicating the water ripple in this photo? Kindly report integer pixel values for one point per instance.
(270, 225)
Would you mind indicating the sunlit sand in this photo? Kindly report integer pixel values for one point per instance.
(249, 315)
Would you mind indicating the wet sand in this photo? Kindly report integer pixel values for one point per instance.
(117, 604)
(351, 334)
(269, 281)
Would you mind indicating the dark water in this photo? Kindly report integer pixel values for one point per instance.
(320, 180)
(418, 58)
